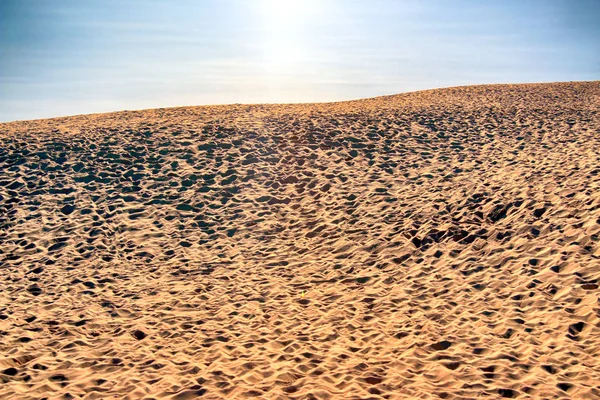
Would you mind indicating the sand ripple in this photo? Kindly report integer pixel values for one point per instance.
(438, 244)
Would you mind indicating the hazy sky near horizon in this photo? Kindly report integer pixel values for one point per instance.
(67, 57)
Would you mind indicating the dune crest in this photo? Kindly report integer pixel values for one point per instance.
(436, 244)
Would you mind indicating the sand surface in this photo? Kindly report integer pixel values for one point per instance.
(437, 244)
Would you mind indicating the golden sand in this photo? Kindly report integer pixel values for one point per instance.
(437, 244)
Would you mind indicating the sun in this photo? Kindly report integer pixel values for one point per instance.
(286, 14)
(285, 27)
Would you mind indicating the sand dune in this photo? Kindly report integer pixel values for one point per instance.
(437, 244)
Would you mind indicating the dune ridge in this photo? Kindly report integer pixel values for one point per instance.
(435, 244)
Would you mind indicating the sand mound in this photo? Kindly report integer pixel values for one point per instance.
(438, 244)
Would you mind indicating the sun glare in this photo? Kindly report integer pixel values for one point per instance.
(286, 13)
(286, 29)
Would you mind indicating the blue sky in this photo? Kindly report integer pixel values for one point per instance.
(67, 57)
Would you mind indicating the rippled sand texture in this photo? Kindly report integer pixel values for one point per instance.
(438, 244)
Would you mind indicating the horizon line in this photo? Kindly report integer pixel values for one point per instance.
(169, 107)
